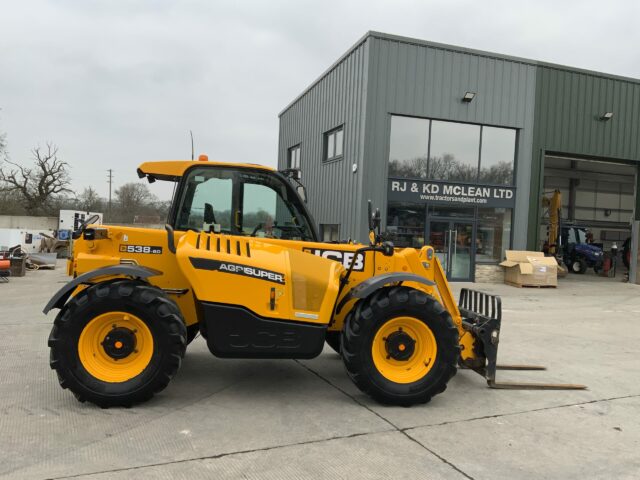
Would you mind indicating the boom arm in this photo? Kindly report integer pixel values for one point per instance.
(554, 205)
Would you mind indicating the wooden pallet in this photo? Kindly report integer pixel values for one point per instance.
(513, 284)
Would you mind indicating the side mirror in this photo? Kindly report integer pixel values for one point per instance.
(302, 193)
(209, 216)
(376, 220)
(295, 173)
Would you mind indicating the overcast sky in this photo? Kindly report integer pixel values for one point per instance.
(116, 83)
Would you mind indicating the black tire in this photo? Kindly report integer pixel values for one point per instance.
(369, 315)
(192, 332)
(578, 265)
(150, 305)
(333, 340)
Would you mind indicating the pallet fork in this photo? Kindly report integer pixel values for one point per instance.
(482, 316)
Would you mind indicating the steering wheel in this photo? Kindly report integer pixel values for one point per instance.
(255, 230)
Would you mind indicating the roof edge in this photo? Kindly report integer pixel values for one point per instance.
(500, 56)
(452, 48)
(342, 57)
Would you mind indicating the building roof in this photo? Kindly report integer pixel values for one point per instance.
(452, 48)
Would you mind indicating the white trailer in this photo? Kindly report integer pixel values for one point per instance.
(29, 240)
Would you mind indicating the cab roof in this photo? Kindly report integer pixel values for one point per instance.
(172, 170)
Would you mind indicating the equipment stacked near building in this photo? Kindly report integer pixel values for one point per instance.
(530, 269)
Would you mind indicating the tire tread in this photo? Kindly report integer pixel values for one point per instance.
(160, 307)
(361, 319)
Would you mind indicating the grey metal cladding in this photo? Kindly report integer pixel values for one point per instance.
(429, 80)
(568, 110)
(337, 98)
(569, 104)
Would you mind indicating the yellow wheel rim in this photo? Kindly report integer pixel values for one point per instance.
(115, 347)
(404, 350)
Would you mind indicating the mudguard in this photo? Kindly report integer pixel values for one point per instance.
(135, 271)
(370, 285)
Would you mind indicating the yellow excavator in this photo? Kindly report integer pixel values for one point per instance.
(553, 204)
(240, 262)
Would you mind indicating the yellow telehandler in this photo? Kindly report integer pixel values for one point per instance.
(240, 263)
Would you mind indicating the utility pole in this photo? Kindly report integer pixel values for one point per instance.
(110, 178)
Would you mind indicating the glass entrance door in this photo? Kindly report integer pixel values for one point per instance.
(453, 243)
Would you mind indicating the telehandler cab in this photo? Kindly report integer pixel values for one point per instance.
(241, 263)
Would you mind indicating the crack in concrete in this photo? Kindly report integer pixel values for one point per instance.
(221, 455)
(522, 412)
(386, 420)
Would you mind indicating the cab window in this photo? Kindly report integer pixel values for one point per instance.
(266, 213)
(207, 201)
(241, 202)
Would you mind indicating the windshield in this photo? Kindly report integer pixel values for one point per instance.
(241, 202)
(577, 235)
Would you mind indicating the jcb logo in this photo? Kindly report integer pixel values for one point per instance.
(343, 257)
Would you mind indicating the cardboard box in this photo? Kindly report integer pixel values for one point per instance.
(530, 269)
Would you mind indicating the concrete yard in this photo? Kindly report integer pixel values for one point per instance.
(285, 419)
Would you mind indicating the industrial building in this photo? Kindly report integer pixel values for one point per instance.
(457, 147)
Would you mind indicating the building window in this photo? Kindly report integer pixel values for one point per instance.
(405, 224)
(333, 144)
(330, 232)
(497, 155)
(409, 147)
(294, 157)
(493, 234)
(453, 152)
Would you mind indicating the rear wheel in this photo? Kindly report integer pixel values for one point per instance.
(578, 265)
(118, 343)
(400, 346)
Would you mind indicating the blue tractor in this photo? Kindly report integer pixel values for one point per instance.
(577, 253)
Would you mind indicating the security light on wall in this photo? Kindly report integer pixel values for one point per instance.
(468, 96)
(606, 116)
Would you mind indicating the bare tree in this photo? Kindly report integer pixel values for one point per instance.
(131, 199)
(89, 200)
(131, 196)
(3, 144)
(38, 185)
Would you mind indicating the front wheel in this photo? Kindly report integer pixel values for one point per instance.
(578, 265)
(400, 346)
(117, 343)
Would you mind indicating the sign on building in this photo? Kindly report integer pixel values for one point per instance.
(445, 192)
